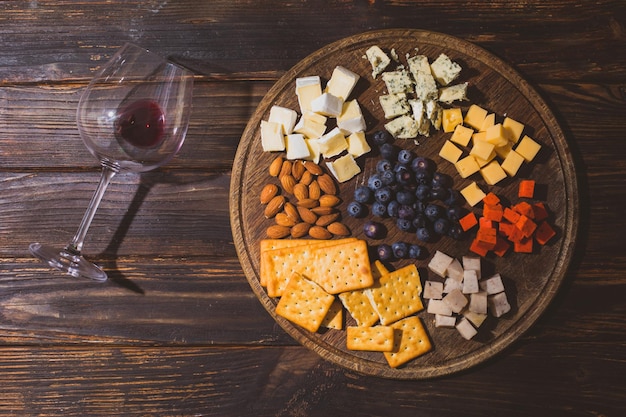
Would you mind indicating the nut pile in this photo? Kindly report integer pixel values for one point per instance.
(312, 212)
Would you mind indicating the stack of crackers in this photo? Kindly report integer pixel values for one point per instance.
(315, 280)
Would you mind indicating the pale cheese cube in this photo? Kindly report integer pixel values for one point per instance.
(327, 105)
(314, 150)
(309, 127)
(473, 263)
(466, 329)
(478, 302)
(296, 147)
(470, 281)
(272, 138)
(378, 59)
(453, 93)
(498, 304)
(493, 173)
(398, 82)
(450, 152)
(438, 307)
(351, 118)
(461, 135)
(456, 300)
(344, 168)
(476, 319)
(473, 194)
(403, 127)
(439, 263)
(394, 105)
(455, 270)
(451, 284)
(307, 90)
(332, 143)
(342, 82)
(433, 289)
(426, 87)
(445, 70)
(444, 321)
(357, 144)
(528, 148)
(492, 285)
(285, 117)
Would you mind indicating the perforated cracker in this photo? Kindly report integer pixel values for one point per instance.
(304, 303)
(360, 307)
(375, 339)
(410, 341)
(397, 294)
(334, 317)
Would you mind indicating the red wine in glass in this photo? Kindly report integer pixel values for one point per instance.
(141, 124)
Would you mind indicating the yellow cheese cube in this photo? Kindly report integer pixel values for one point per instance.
(344, 168)
(489, 121)
(513, 129)
(462, 135)
(493, 173)
(475, 116)
(467, 166)
(473, 194)
(332, 143)
(479, 136)
(503, 151)
(357, 144)
(482, 149)
(528, 148)
(496, 135)
(512, 163)
(307, 90)
(450, 152)
(482, 162)
(451, 118)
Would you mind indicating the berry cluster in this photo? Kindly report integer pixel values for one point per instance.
(409, 189)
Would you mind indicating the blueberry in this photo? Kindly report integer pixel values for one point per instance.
(454, 198)
(422, 192)
(384, 165)
(405, 197)
(383, 195)
(442, 180)
(374, 182)
(420, 163)
(423, 177)
(433, 212)
(405, 156)
(388, 177)
(455, 212)
(356, 209)
(363, 194)
(405, 225)
(416, 252)
(400, 250)
(388, 151)
(384, 252)
(404, 177)
(374, 230)
(439, 193)
(381, 137)
(441, 226)
(419, 206)
(392, 208)
(406, 212)
(456, 231)
(419, 221)
(379, 209)
(424, 234)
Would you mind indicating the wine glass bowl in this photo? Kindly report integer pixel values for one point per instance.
(133, 116)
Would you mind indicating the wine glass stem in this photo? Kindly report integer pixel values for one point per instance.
(76, 245)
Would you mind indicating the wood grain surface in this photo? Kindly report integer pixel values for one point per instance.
(178, 331)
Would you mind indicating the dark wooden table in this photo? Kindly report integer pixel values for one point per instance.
(177, 331)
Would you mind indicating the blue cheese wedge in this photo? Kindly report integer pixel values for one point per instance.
(351, 118)
(327, 105)
(344, 168)
(450, 94)
(425, 86)
(403, 127)
(398, 82)
(394, 105)
(272, 138)
(342, 82)
(434, 113)
(307, 90)
(445, 70)
(418, 108)
(296, 147)
(284, 116)
(417, 64)
(332, 143)
(378, 59)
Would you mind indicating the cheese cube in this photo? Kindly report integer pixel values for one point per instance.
(417, 64)
(493, 173)
(272, 138)
(439, 263)
(403, 127)
(472, 194)
(332, 143)
(492, 285)
(477, 319)
(351, 118)
(433, 290)
(425, 86)
(438, 307)
(455, 300)
(489, 121)
(307, 90)
(342, 82)
(296, 147)
(482, 149)
(285, 117)
(472, 263)
(309, 127)
(314, 150)
(327, 105)
(475, 116)
(450, 152)
(513, 129)
(378, 60)
(462, 135)
(528, 148)
(453, 93)
(451, 284)
(496, 135)
(445, 70)
(479, 137)
(503, 151)
(470, 281)
(498, 304)
(512, 163)
(399, 82)
(394, 105)
(455, 270)
(444, 321)
(467, 166)
(466, 329)
(451, 118)
(482, 162)
(434, 112)
(344, 168)
(357, 144)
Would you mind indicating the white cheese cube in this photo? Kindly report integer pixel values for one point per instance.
(296, 147)
(455, 300)
(357, 144)
(342, 82)
(327, 105)
(444, 70)
(272, 138)
(455, 270)
(309, 126)
(492, 285)
(285, 117)
(438, 307)
(332, 143)
(378, 59)
(307, 90)
(498, 304)
(344, 168)
(472, 262)
(466, 329)
(478, 302)
(351, 118)
(314, 150)
(453, 93)
(394, 105)
(433, 289)
(426, 87)
(398, 82)
(476, 319)
(439, 263)
(451, 284)
(470, 281)
(403, 127)
(444, 321)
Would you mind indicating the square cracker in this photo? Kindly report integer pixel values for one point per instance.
(397, 294)
(360, 307)
(375, 339)
(304, 303)
(410, 341)
(334, 317)
(336, 268)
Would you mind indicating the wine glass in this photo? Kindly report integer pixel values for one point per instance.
(133, 116)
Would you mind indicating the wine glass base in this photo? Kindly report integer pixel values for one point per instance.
(70, 263)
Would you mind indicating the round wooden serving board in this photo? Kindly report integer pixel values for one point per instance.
(531, 280)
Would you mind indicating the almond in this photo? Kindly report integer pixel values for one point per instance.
(300, 191)
(274, 207)
(300, 230)
(338, 229)
(327, 184)
(283, 219)
(278, 232)
(319, 232)
(307, 215)
(292, 212)
(297, 170)
(313, 168)
(329, 200)
(285, 169)
(307, 178)
(308, 203)
(321, 211)
(288, 182)
(268, 192)
(275, 166)
(327, 219)
(315, 191)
